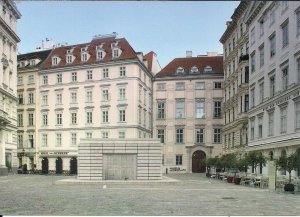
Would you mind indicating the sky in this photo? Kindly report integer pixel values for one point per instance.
(165, 27)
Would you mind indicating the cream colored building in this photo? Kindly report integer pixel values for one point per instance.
(187, 113)
(100, 89)
(236, 79)
(28, 106)
(274, 48)
(9, 15)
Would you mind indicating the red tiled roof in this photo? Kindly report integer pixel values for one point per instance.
(127, 52)
(149, 58)
(216, 62)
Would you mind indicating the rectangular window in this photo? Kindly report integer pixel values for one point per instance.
(161, 86)
(252, 97)
(122, 93)
(200, 85)
(285, 34)
(45, 99)
(20, 80)
(271, 123)
(105, 116)
(298, 22)
(30, 98)
(122, 71)
(161, 135)
(217, 109)
(252, 62)
(105, 73)
(180, 109)
(20, 99)
(272, 86)
(20, 120)
(178, 159)
(58, 139)
(59, 119)
(89, 117)
(122, 116)
(45, 79)
(261, 56)
(297, 114)
(45, 140)
(252, 129)
(261, 27)
(179, 135)
(31, 79)
(74, 118)
(89, 96)
(160, 110)
(74, 76)
(217, 135)
(272, 45)
(252, 35)
(30, 119)
(283, 120)
(285, 78)
(73, 139)
(59, 78)
(89, 75)
(45, 119)
(200, 109)
(180, 86)
(69, 59)
(217, 85)
(100, 55)
(20, 141)
(121, 135)
(200, 135)
(58, 98)
(246, 105)
(298, 70)
(272, 16)
(73, 97)
(261, 92)
(88, 135)
(105, 95)
(84, 57)
(105, 135)
(260, 127)
(140, 115)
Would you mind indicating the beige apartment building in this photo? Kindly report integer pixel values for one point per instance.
(28, 107)
(187, 111)
(100, 89)
(9, 15)
(236, 79)
(274, 81)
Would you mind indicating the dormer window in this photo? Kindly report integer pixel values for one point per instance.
(54, 60)
(208, 69)
(69, 51)
(22, 64)
(100, 55)
(114, 44)
(32, 62)
(115, 53)
(99, 47)
(179, 70)
(83, 49)
(194, 69)
(84, 57)
(69, 58)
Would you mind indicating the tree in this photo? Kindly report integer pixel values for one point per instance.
(255, 158)
(228, 160)
(288, 163)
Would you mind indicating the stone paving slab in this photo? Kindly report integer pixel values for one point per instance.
(192, 194)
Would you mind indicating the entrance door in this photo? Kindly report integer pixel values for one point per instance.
(198, 162)
(119, 166)
(45, 165)
(58, 165)
(73, 165)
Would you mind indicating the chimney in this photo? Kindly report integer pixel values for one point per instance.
(189, 53)
(212, 54)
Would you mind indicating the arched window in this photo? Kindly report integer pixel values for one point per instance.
(179, 70)
(208, 69)
(194, 70)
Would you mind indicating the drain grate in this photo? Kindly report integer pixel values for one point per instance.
(228, 198)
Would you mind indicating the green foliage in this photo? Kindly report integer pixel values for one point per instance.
(242, 164)
(213, 162)
(288, 163)
(255, 158)
(228, 160)
(8, 165)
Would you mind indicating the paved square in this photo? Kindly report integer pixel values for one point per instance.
(194, 194)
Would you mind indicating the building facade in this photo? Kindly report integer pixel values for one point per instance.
(28, 107)
(9, 15)
(101, 89)
(187, 113)
(236, 79)
(274, 81)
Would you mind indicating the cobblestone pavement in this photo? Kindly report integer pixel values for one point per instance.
(194, 194)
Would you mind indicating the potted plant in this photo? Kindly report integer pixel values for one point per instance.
(288, 163)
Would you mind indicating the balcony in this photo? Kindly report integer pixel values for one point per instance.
(4, 119)
(244, 58)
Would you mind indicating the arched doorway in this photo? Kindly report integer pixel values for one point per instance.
(198, 162)
(58, 165)
(73, 165)
(45, 165)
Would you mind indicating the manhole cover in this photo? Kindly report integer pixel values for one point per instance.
(227, 198)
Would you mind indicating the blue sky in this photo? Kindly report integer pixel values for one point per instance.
(167, 28)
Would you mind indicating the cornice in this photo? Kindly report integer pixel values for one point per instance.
(9, 30)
